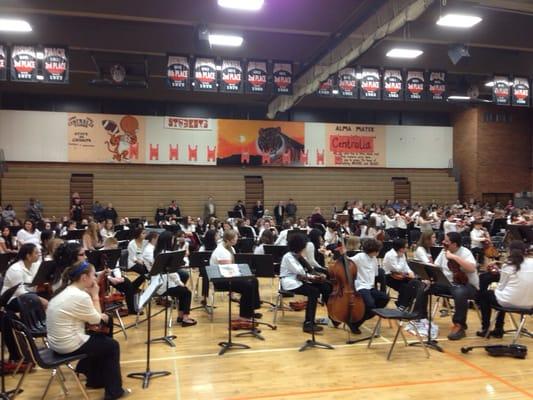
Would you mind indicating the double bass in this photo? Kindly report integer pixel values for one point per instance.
(345, 304)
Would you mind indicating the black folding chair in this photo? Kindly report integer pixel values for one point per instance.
(45, 358)
(400, 317)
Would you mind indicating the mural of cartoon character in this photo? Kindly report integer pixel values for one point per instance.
(121, 139)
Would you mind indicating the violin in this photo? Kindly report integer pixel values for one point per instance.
(345, 304)
(459, 276)
(488, 248)
(103, 287)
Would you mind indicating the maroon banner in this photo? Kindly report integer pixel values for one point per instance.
(231, 76)
(437, 85)
(520, 92)
(501, 90)
(256, 77)
(347, 82)
(178, 73)
(205, 75)
(282, 77)
(23, 64)
(415, 85)
(370, 84)
(392, 84)
(55, 65)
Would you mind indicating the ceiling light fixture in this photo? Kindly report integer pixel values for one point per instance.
(14, 25)
(225, 40)
(463, 98)
(459, 20)
(248, 5)
(404, 53)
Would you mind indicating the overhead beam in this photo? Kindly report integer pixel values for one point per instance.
(387, 20)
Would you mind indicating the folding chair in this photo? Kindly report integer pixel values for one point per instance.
(520, 329)
(45, 358)
(399, 317)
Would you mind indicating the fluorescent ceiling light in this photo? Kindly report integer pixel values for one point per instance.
(491, 84)
(459, 97)
(249, 5)
(459, 20)
(14, 25)
(225, 40)
(404, 53)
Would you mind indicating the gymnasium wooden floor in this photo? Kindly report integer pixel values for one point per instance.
(274, 369)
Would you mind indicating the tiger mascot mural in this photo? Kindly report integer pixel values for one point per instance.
(121, 137)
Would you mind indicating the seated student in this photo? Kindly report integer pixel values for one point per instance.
(266, 238)
(331, 238)
(29, 234)
(515, 288)
(74, 304)
(7, 244)
(249, 289)
(478, 238)
(135, 252)
(454, 254)
(282, 238)
(107, 230)
(298, 277)
(367, 271)
(398, 275)
(176, 288)
(423, 248)
(21, 272)
(91, 238)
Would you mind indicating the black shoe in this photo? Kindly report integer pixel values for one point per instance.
(457, 332)
(482, 333)
(179, 320)
(189, 322)
(310, 328)
(258, 315)
(496, 333)
(354, 329)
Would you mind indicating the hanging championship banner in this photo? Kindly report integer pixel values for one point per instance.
(414, 85)
(392, 84)
(326, 87)
(282, 74)
(370, 84)
(178, 73)
(231, 76)
(205, 75)
(256, 77)
(23, 64)
(3, 62)
(347, 82)
(437, 85)
(520, 92)
(55, 65)
(501, 91)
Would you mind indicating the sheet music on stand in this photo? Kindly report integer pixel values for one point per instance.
(429, 272)
(155, 284)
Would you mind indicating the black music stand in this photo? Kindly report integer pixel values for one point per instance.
(294, 232)
(167, 263)
(235, 214)
(146, 297)
(124, 234)
(218, 274)
(309, 343)
(104, 258)
(246, 232)
(75, 234)
(5, 259)
(200, 260)
(45, 273)
(433, 274)
(4, 299)
(435, 251)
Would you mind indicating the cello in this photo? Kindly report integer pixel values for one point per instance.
(345, 304)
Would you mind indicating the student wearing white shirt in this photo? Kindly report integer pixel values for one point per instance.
(461, 292)
(365, 283)
(282, 238)
(298, 277)
(176, 288)
(266, 238)
(29, 234)
(478, 238)
(73, 305)
(515, 288)
(423, 248)
(391, 222)
(107, 231)
(19, 273)
(135, 251)
(399, 276)
(249, 289)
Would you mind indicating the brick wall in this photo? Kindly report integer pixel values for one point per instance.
(492, 149)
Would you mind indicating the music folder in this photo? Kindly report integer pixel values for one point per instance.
(44, 273)
(429, 272)
(225, 272)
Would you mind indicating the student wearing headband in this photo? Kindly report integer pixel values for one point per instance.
(74, 304)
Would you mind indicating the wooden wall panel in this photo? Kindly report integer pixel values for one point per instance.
(136, 190)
